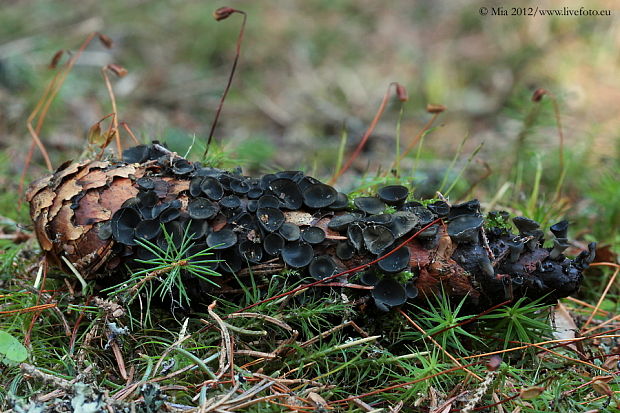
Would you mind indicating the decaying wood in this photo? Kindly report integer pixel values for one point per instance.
(70, 207)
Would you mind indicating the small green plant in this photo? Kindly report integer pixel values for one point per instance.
(163, 273)
(441, 321)
(524, 321)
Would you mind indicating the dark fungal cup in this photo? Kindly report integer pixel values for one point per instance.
(382, 219)
(402, 223)
(341, 222)
(212, 188)
(465, 228)
(411, 290)
(356, 238)
(268, 201)
(297, 254)
(395, 262)
(131, 203)
(560, 243)
(136, 154)
(231, 260)
(429, 232)
(156, 150)
(145, 183)
(123, 224)
(169, 214)
(307, 181)
(377, 238)
(104, 230)
(230, 202)
(369, 278)
(222, 239)
(290, 231)
(252, 205)
(526, 226)
(197, 228)
(313, 235)
(175, 232)
(369, 204)
(195, 186)
(182, 167)
(255, 192)
(439, 208)
(341, 203)
(244, 220)
(393, 194)
(265, 180)
(322, 266)
(560, 230)
(344, 250)
(424, 215)
(208, 171)
(271, 219)
(287, 192)
(239, 186)
(158, 209)
(202, 208)
(466, 208)
(294, 176)
(273, 244)
(319, 196)
(515, 249)
(390, 293)
(148, 229)
(251, 251)
(529, 228)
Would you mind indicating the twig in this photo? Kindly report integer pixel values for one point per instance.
(226, 356)
(366, 135)
(221, 14)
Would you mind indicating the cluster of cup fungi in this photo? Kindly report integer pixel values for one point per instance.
(92, 214)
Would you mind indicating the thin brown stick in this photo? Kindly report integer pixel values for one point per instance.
(226, 356)
(417, 138)
(365, 137)
(42, 107)
(600, 301)
(409, 383)
(108, 85)
(228, 12)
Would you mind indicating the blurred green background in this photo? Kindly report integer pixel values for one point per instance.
(313, 68)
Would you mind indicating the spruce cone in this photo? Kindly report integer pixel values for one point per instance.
(92, 212)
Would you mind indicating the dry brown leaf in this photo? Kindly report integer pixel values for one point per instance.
(317, 400)
(602, 388)
(564, 327)
(611, 363)
(530, 393)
